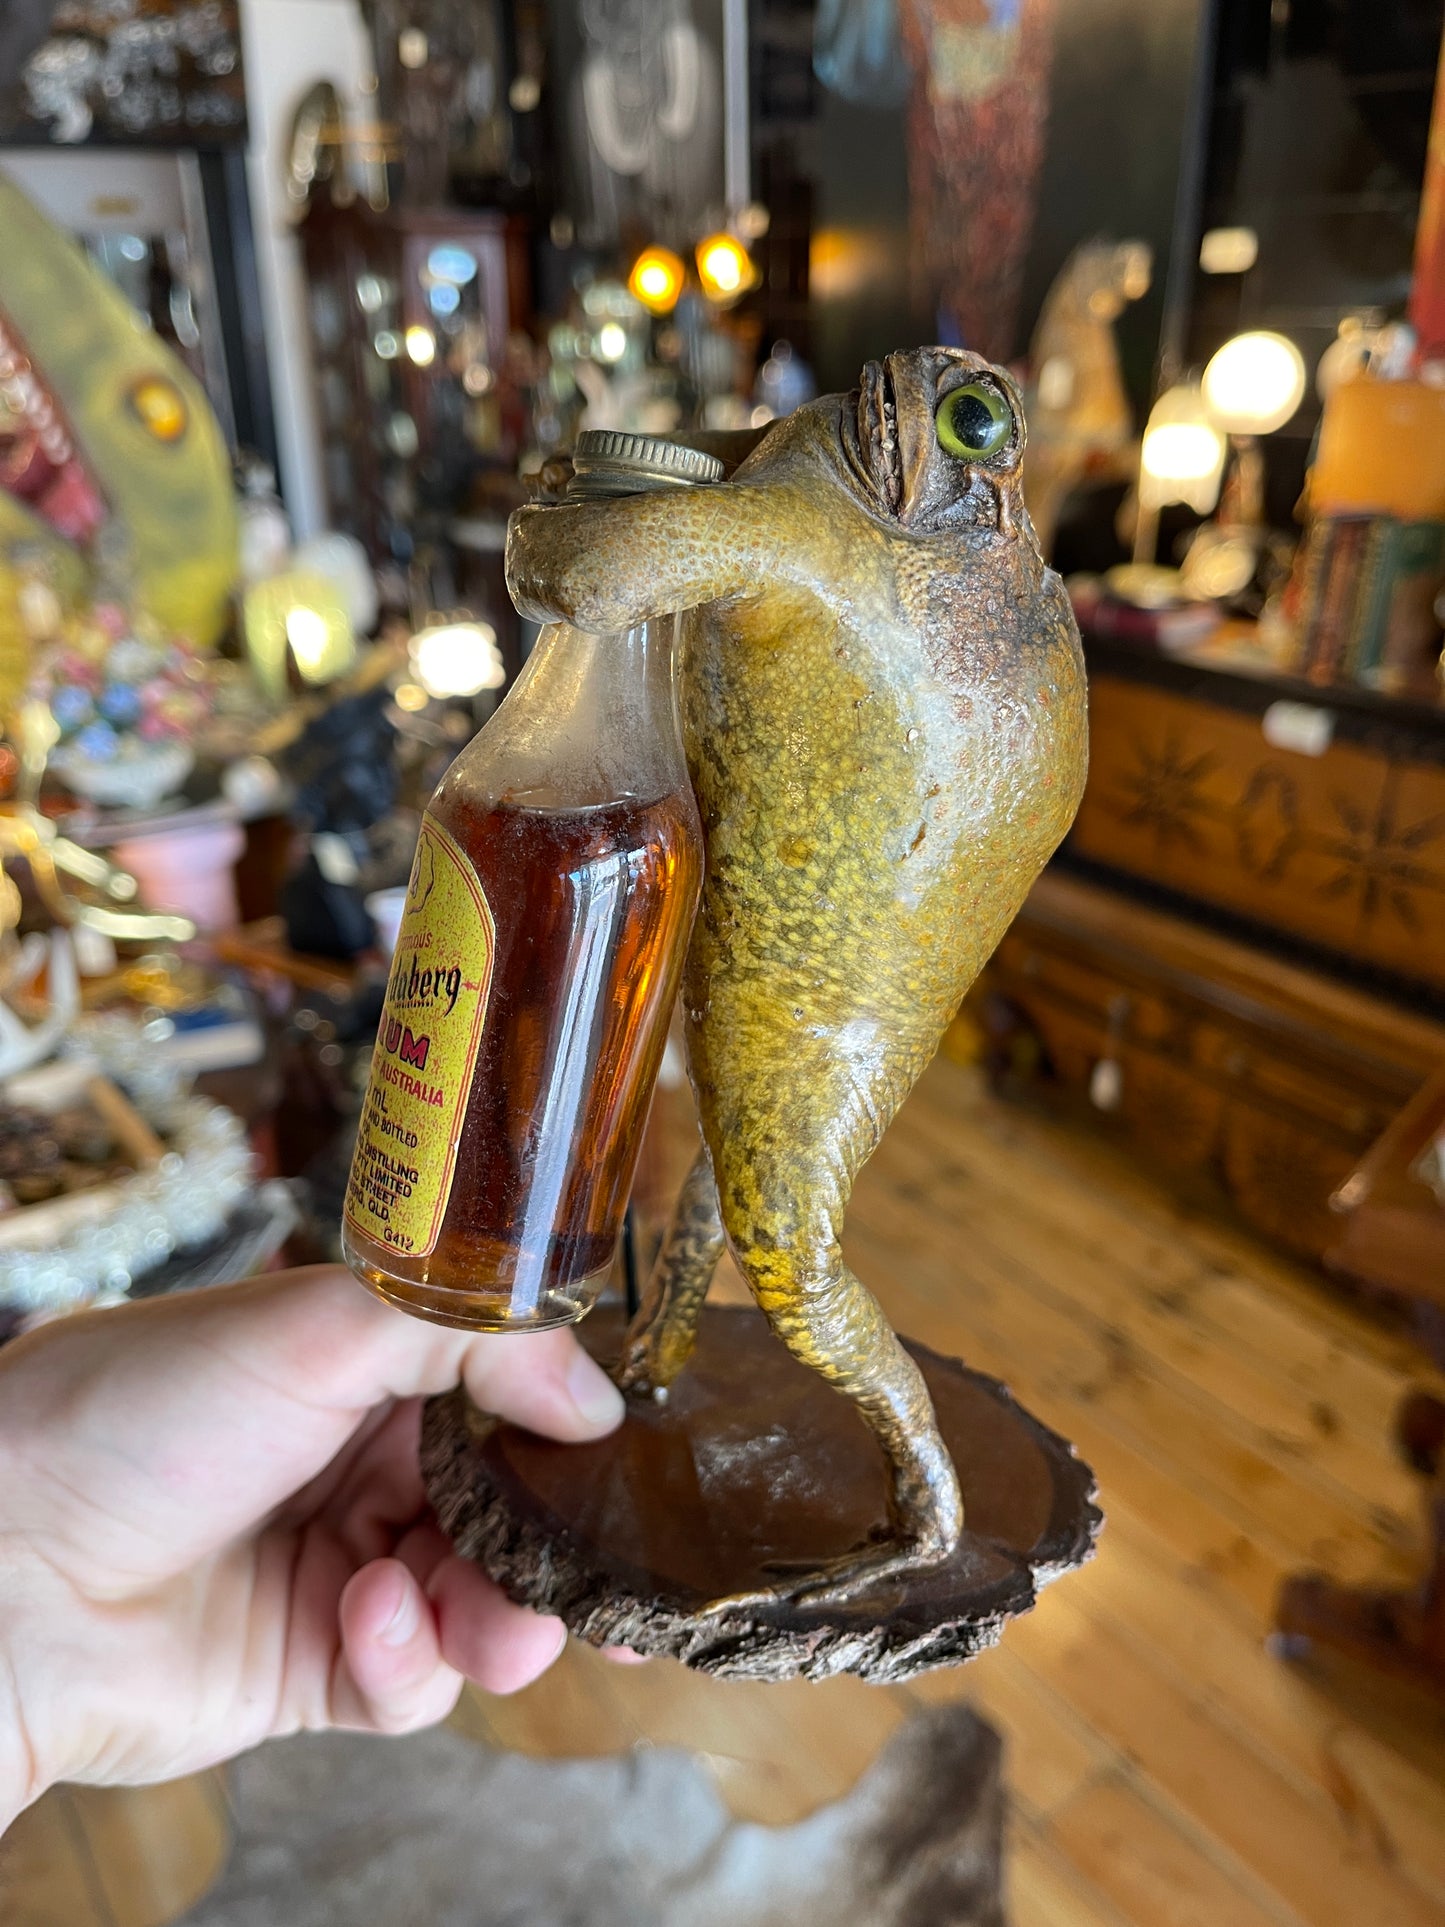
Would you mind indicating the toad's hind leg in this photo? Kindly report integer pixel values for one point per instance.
(661, 1337)
(830, 1321)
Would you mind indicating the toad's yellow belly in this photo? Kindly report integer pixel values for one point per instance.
(869, 838)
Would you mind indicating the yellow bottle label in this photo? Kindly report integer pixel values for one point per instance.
(426, 1051)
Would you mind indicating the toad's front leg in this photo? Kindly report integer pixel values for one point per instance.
(606, 566)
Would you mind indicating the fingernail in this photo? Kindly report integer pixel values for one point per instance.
(403, 1623)
(597, 1399)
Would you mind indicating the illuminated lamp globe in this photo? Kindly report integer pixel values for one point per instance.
(610, 341)
(724, 267)
(457, 659)
(1182, 457)
(1254, 383)
(300, 617)
(421, 345)
(656, 279)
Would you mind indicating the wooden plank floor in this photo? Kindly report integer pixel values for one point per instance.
(1164, 1769)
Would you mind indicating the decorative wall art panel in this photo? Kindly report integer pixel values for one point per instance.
(977, 117)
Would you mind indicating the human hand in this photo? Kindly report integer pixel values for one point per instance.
(213, 1528)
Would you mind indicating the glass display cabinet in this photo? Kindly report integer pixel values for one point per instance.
(411, 313)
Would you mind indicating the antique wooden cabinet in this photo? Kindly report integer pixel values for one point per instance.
(1202, 786)
(1246, 927)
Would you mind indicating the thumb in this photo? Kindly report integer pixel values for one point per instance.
(544, 1381)
(361, 1351)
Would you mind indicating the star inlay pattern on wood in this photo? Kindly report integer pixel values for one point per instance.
(1377, 853)
(1379, 857)
(1164, 792)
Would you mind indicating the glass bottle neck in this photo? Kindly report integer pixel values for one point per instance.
(589, 720)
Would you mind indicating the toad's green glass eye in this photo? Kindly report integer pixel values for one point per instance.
(973, 421)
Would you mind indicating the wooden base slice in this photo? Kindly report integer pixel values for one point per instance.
(753, 1462)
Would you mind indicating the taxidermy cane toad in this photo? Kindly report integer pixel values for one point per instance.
(883, 704)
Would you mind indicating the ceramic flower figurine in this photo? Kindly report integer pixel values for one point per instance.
(128, 705)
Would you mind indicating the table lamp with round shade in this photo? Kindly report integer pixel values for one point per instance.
(1251, 387)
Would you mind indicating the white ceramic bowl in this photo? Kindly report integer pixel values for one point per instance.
(128, 782)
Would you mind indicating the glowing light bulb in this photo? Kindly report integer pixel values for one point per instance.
(1254, 383)
(421, 345)
(1181, 451)
(298, 616)
(308, 633)
(724, 267)
(656, 279)
(320, 640)
(1182, 457)
(611, 344)
(1228, 250)
(457, 659)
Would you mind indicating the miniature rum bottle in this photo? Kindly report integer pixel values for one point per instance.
(549, 910)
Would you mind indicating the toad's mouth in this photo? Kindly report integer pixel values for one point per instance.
(41, 465)
(878, 434)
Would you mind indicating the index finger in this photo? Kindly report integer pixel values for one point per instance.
(198, 1414)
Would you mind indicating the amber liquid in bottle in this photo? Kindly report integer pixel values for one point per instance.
(547, 919)
(592, 906)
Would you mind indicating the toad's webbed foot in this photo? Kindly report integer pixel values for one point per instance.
(855, 1578)
(640, 1372)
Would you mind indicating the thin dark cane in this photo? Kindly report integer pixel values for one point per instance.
(629, 1263)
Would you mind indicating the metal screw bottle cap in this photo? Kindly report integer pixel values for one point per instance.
(608, 461)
